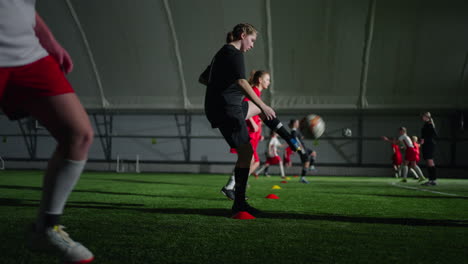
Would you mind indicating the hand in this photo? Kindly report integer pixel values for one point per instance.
(268, 112)
(384, 138)
(422, 141)
(62, 57)
(254, 126)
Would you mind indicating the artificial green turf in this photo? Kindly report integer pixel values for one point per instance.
(182, 218)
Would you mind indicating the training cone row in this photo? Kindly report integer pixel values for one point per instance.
(242, 215)
(272, 196)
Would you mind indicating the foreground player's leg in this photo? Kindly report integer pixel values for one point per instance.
(68, 123)
(241, 176)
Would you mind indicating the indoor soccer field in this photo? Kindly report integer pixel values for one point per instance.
(182, 218)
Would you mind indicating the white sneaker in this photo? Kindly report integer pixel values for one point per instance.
(55, 240)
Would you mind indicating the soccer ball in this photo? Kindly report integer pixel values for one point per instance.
(312, 126)
(347, 132)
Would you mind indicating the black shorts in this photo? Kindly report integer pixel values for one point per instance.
(233, 127)
(427, 150)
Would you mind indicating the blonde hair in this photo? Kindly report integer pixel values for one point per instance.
(414, 138)
(403, 129)
(237, 31)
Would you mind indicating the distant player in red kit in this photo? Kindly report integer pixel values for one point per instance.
(410, 156)
(416, 148)
(396, 156)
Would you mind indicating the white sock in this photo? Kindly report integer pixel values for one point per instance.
(281, 169)
(419, 171)
(261, 169)
(404, 170)
(231, 182)
(415, 175)
(59, 180)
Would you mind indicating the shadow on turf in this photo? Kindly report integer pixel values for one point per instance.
(397, 195)
(15, 187)
(145, 182)
(266, 215)
(34, 203)
(296, 216)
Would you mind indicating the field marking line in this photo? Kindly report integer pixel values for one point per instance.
(425, 190)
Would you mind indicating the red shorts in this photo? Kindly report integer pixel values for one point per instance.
(254, 144)
(397, 160)
(21, 85)
(410, 154)
(273, 161)
(254, 140)
(287, 155)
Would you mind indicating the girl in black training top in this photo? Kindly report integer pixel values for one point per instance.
(428, 135)
(226, 86)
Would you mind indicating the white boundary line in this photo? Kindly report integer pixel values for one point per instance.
(425, 190)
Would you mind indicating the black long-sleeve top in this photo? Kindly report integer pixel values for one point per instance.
(428, 133)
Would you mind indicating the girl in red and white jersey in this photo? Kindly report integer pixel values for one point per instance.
(273, 158)
(410, 156)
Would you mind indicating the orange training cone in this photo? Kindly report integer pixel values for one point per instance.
(296, 176)
(243, 215)
(272, 196)
(284, 182)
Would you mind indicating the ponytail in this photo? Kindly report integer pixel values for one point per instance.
(251, 77)
(229, 37)
(237, 31)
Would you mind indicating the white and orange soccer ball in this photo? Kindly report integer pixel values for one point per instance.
(312, 126)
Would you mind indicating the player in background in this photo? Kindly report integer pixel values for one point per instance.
(273, 158)
(418, 157)
(308, 156)
(32, 83)
(259, 80)
(410, 156)
(396, 156)
(428, 144)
